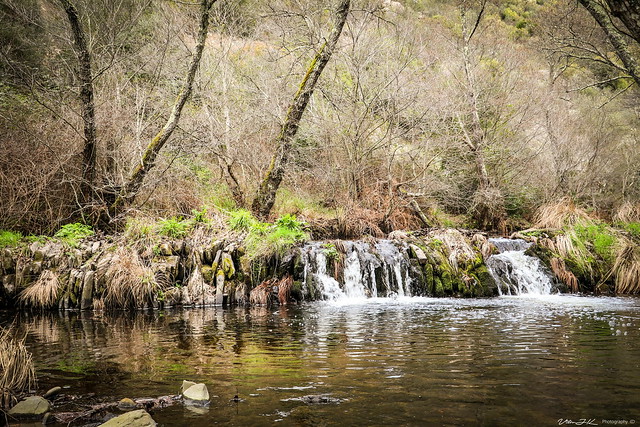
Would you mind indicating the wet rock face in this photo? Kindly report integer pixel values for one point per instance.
(31, 407)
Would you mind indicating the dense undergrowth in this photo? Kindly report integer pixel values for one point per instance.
(588, 254)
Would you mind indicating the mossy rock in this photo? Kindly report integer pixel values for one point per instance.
(207, 273)
(438, 289)
(486, 284)
(226, 264)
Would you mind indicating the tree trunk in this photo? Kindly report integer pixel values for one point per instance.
(628, 11)
(132, 186)
(84, 75)
(476, 137)
(615, 36)
(266, 195)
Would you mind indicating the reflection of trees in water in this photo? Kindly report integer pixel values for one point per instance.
(182, 342)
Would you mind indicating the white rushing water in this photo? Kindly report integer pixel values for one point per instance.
(516, 272)
(366, 271)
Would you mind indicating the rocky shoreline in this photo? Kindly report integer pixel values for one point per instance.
(204, 270)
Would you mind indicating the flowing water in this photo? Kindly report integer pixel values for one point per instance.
(368, 270)
(516, 272)
(403, 361)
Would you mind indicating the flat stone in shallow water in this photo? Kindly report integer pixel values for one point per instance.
(139, 418)
(185, 385)
(197, 393)
(31, 407)
(126, 404)
(52, 392)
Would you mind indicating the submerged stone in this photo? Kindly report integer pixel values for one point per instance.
(31, 407)
(139, 418)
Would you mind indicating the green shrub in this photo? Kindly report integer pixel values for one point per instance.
(174, 227)
(71, 234)
(9, 238)
(330, 251)
(200, 216)
(289, 222)
(264, 240)
(241, 220)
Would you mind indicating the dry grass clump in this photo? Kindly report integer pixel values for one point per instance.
(626, 268)
(262, 294)
(128, 282)
(628, 212)
(16, 367)
(43, 293)
(559, 269)
(284, 290)
(561, 213)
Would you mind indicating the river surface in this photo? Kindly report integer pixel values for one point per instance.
(411, 361)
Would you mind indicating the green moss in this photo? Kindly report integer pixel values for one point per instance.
(207, 273)
(632, 228)
(9, 238)
(438, 289)
(227, 266)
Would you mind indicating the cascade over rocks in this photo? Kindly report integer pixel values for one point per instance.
(206, 270)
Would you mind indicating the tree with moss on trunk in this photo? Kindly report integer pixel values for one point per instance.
(266, 195)
(132, 186)
(84, 75)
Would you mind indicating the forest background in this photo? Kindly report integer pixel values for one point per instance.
(429, 112)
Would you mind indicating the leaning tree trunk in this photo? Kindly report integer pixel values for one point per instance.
(628, 11)
(615, 36)
(131, 188)
(266, 196)
(85, 77)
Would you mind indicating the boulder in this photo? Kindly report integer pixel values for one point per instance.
(418, 254)
(185, 385)
(126, 404)
(139, 418)
(197, 393)
(31, 407)
(52, 392)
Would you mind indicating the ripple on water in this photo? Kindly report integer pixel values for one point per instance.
(403, 361)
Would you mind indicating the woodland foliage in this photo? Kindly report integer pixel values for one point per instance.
(390, 127)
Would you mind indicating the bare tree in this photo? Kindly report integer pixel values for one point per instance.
(266, 195)
(85, 77)
(136, 179)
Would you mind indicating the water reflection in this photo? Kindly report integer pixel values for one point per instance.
(404, 362)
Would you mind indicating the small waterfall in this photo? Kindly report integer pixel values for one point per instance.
(517, 273)
(364, 271)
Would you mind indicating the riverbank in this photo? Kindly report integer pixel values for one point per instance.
(209, 266)
(236, 260)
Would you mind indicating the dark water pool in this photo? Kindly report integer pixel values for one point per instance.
(417, 361)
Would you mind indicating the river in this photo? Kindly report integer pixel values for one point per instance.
(407, 361)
